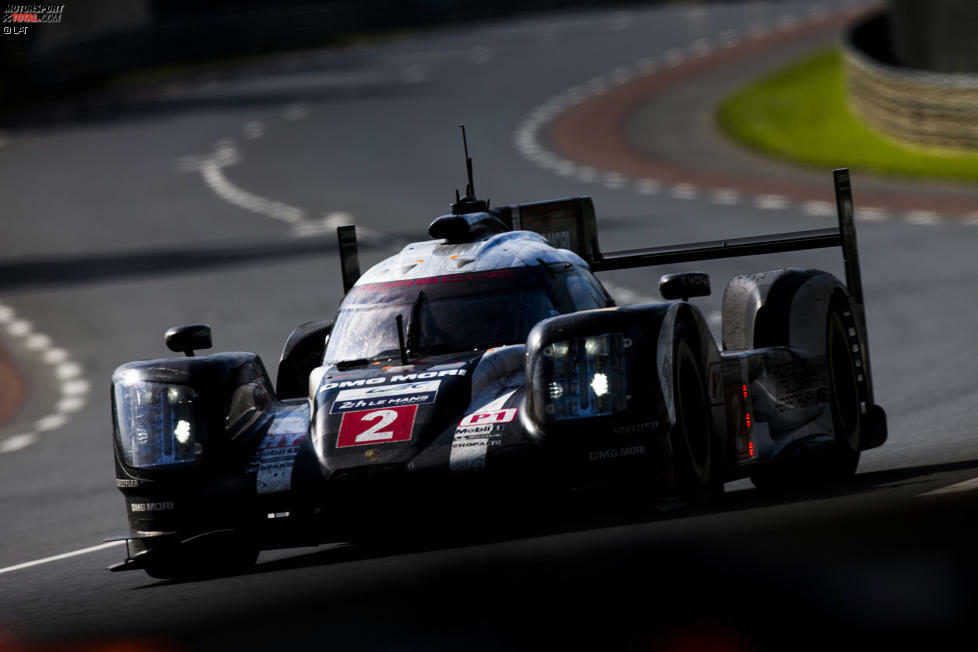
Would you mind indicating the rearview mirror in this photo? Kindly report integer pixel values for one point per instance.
(188, 339)
(684, 285)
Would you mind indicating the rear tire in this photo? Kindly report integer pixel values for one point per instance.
(697, 455)
(847, 392)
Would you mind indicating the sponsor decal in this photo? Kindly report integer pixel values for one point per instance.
(477, 432)
(483, 418)
(292, 423)
(468, 453)
(274, 442)
(395, 378)
(385, 396)
(614, 453)
(384, 426)
(126, 483)
(161, 506)
(635, 427)
(275, 457)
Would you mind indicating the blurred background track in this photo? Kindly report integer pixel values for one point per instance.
(211, 196)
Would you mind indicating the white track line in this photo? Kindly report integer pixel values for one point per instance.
(528, 141)
(74, 388)
(771, 202)
(647, 186)
(296, 111)
(725, 196)
(66, 555)
(818, 208)
(967, 485)
(253, 130)
(684, 191)
(922, 218)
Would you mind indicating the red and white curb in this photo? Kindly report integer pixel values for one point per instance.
(527, 136)
(74, 388)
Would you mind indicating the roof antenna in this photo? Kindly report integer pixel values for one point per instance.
(470, 186)
(468, 203)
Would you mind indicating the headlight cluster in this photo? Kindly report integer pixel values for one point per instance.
(158, 423)
(589, 377)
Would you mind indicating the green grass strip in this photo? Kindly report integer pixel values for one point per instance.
(800, 114)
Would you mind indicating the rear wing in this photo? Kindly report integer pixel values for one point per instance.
(570, 224)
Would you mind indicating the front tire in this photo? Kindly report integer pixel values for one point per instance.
(697, 455)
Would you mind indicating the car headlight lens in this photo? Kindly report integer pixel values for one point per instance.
(589, 377)
(158, 424)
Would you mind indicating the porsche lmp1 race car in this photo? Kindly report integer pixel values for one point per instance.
(489, 361)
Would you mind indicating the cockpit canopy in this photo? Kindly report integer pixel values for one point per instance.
(458, 312)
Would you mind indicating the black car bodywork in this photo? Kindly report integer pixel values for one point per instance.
(490, 361)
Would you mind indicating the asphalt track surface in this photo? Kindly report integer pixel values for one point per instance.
(212, 199)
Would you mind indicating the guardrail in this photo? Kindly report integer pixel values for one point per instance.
(915, 106)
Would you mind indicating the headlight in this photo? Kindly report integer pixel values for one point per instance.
(158, 423)
(588, 378)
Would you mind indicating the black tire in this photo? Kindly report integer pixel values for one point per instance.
(844, 351)
(189, 561)
(697, 454)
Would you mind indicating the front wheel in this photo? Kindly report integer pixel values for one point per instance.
(697, 456)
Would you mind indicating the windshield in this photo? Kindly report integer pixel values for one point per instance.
(441, 314)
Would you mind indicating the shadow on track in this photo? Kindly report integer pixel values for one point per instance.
(75, 270)
(883, 569)
(82, 269)
(602, 516)
(239, 87)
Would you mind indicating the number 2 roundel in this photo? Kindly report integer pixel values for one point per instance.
(381, 426)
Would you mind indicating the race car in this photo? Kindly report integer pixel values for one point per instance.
(489, 363)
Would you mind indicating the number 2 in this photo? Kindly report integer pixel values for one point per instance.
(369, 427)
(374, 433)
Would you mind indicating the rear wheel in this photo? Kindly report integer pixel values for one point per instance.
(844, 352)
(697, 456)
